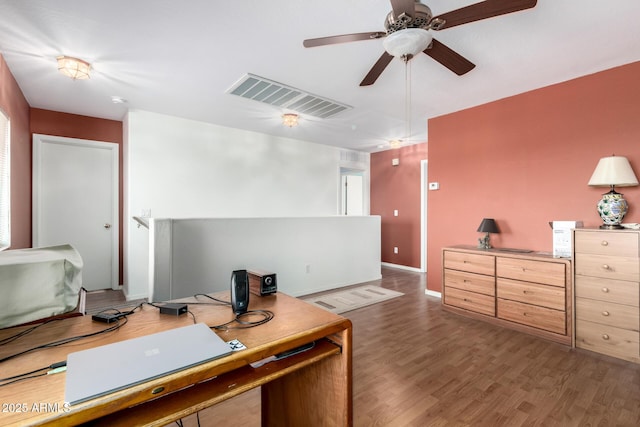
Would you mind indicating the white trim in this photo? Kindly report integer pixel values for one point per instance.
(38, 141)
(423, 215)
(401, 267)
(433, 293)
(5, 181)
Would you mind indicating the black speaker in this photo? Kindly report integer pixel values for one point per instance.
(239, 291)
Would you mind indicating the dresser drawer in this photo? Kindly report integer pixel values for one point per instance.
(531, 293)
(549, 273)
(607, 243)
(608, 313)
(532, 315)
(474, 263)
(609, 340)
(470, 282)
(608, 267)
(609, 290)
(472, 301)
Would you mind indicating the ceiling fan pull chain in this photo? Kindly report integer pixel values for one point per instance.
(407, 105)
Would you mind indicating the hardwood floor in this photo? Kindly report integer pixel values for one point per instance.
(417, 365)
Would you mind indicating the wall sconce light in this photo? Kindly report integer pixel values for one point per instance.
(488, 225)
(75, 68)
(612, 171)
(290, 119)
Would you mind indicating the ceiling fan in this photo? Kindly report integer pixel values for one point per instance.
(407, 32)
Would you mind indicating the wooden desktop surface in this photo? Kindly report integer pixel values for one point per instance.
(324, 371)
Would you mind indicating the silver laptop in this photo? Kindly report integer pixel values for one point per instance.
(102, 370)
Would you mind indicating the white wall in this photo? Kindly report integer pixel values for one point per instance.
(308, 254)
(179, 168)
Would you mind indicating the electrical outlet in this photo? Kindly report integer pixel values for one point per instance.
(145, 213)
(395, 212)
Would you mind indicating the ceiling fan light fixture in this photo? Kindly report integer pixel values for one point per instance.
(290, 119)
(396, 143)
(407, 42)
(75, 68)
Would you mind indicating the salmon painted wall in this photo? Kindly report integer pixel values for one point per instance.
(398, 187)
(526, 160)
(82, 127)
(14, 105)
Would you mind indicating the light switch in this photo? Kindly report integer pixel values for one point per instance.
(395, 212)
(434, 186)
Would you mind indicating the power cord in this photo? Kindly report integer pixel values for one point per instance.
(119, 313)
(120, 322)
(26, 331)
(218, 301)
(266, 316)
(54, 368)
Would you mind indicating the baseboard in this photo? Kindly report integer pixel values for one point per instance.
(433, 293)
(402, 267)
(133, 297)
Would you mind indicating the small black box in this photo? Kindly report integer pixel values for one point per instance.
(175, 309)
(262, 283)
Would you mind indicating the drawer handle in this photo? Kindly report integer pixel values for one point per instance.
(605, 313)
(605, 290)
(604, 243)
(524, 292)
(605, 336)
(606, 266)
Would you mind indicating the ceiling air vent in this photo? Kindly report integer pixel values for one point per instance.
(282, 96)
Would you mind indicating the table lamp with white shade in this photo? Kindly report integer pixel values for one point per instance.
(610, 172)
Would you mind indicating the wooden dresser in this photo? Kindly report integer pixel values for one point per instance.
(530, 292)
(607, 281)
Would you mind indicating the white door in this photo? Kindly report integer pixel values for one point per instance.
(352, 188)
(75, 201)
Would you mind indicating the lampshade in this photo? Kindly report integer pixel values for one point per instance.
(409, 41)
(75, 68)
(614, 170)
(488, 225)
(290, 119)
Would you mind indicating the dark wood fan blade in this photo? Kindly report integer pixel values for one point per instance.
(483, 10)
(345, 38)
(403, 6)
(377, 69)
(449, 58)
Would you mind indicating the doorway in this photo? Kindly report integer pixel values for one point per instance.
(351, 191)
(75, 201)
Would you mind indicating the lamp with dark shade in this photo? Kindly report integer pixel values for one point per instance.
(488, 225)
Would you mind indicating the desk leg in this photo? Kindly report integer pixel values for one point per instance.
(318, 395)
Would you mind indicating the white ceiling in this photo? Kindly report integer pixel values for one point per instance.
(180, 58)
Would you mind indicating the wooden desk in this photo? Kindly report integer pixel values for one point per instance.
(311, 388)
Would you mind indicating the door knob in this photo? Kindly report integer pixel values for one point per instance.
(107, 225)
